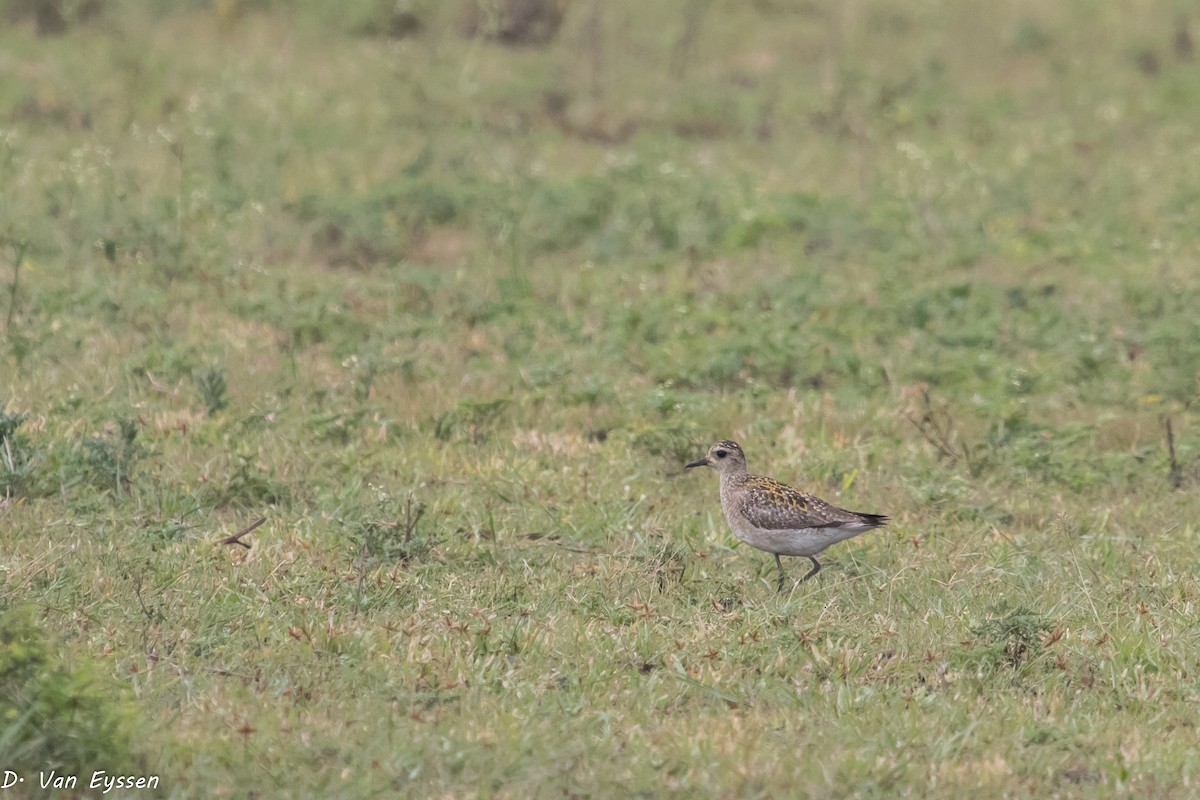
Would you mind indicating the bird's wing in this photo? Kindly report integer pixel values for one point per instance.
(771, 505)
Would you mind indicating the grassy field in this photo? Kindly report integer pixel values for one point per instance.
(451, 315)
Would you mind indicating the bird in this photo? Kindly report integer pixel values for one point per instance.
(774, 517)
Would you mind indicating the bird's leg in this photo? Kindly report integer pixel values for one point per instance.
(816, 568)
(779, 564)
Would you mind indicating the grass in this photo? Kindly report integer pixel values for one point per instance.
(451, 315)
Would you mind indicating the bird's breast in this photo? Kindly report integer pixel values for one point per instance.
(791, 542)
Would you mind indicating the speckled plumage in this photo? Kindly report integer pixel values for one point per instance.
(774, 517)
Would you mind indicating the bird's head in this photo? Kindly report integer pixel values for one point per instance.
(724, 456)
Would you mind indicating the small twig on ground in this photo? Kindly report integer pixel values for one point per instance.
(412, 515)
(682, 51)
(237, 537)
(595, 47)
(1175, 475)
(18, 260)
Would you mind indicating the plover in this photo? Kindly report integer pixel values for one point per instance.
(774, 517)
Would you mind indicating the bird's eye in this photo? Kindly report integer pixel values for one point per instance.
(721, 454)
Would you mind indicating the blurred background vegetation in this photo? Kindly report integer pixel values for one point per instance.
(449, 291)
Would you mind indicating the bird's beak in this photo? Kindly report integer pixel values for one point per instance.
(701, 463)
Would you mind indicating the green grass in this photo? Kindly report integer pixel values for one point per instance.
(452, 315)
